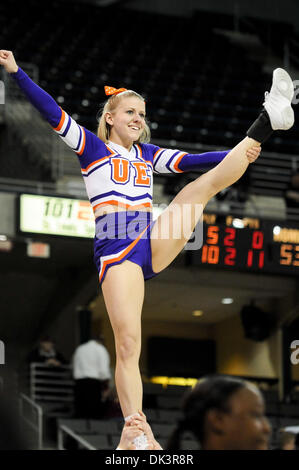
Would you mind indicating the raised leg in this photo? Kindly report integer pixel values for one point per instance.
(171, 232)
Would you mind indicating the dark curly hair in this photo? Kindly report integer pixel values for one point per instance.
(211, 392)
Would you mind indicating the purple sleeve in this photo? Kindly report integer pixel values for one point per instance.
(176, 161)
(201, 161)
(83, 142)
(40, 99)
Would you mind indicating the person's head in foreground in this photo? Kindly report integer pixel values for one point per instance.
(287, 440)
(224, 413)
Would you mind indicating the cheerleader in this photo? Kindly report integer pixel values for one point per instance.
(117, 166)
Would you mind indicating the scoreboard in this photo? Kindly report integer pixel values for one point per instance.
(249, 244)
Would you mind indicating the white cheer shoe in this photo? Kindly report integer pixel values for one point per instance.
(278, 101)
(141, 442)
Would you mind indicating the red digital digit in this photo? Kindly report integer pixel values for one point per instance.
(212, 235)
(257, 240)
(261, 256)
(257, 244)
(230, 237)
(229, 259)
(249, 258)
(261, 259)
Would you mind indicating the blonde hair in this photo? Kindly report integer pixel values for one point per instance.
(103, 131)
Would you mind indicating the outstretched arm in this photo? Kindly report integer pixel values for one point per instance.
(75, 136)
(175, 161)
(41, 100)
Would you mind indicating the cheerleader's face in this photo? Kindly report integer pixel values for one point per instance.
(127, 121)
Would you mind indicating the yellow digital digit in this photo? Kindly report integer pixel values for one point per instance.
(286, 254)
(296, 262)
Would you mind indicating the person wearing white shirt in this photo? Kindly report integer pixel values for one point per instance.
(91, 371)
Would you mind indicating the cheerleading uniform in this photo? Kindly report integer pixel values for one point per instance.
(117, 176)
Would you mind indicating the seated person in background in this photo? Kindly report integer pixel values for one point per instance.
(91, 372)
(46, 352)
(223, 413)
(287, 440)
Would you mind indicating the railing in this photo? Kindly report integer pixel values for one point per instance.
(91, 434)
(74, 189)
(51, 394)
(66, 430)
(36, 412)
(51, 384)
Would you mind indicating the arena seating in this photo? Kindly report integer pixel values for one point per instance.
(163, 422)
(201, 87)
(163, 415)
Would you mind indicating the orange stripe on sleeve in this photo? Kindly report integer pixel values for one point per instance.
(61, 122)
(176, 165)
(83, 145)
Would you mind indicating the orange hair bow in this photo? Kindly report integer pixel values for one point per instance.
(109, 90)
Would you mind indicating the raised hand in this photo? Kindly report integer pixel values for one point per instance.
(253, 153)
(141, 423)
(8, 61)
(128, 435)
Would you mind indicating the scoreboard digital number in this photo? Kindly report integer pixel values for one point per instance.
(249, 245)
(56, 216)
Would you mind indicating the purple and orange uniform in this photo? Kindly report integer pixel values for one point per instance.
(114, 175)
